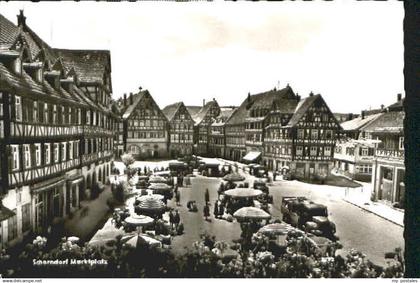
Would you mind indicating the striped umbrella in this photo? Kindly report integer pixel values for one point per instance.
(157, 179)
(139, 220)
(150, 204)
(159, 186)
(243, 193)
(234, 177)
(250, 212)
(146, 197)
(276, 229)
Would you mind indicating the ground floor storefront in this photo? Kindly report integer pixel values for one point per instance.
(177, 150)
(389, 182)
(145, 150)
(361, 171)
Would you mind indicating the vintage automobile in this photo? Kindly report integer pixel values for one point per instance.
(308, 216)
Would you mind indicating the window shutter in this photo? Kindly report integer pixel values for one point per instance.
(360, 151)
(9, 159)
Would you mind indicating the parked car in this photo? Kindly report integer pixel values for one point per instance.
(308, 216)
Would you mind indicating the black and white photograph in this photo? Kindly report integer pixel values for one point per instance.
(206, 140)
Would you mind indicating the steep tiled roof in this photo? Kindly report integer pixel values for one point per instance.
(203, 111)
(389, 122)
(302, 108)
(171, 110)
(90, 65)
(356, 124)
(8, 33)
(193, 110)
(23, 83)
(225, 114)
(136, 99)
(263, 100)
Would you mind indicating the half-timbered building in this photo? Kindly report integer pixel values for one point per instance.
(145, 127)
(181, 129)
(304, 141)
(217, 139)
(55, 129)
(202, 122)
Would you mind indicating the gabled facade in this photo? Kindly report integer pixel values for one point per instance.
(181, 129)
(203, 120)
(217, 139)
(56, 133)
(305, 144)
(145, 127)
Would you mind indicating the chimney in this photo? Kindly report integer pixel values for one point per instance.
(125, 99)
(248, 99)
(363, 115)
(399, 97)
(311, 94)
(297, 97)
(204, 102)
(214, 99)
(382, 107)
(21, 19)
(350, 116)
(131, 98)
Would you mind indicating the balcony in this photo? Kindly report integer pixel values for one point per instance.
(390, 153)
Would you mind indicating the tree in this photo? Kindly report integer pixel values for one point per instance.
(127, 159)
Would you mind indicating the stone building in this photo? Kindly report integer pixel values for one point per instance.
(181, 130)
(145, 127)
(56, 129)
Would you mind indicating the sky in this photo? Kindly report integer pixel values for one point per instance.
(350, 52)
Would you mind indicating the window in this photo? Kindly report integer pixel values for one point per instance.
(314, 134)
(313, 150)
(47, 148)
(12, 226)
(328, 134)
(54, 120)
(35, 111)
(18, 196)
(46, 113)
(63, 151)
(26, 217)
(79, 116)
(327, 151)
(38, 154)
(299, 150)
(56, 152)
(88, 117)
(365, 151)
(18, 108)
(15, 157)
(401, 143)
(71, 150)
(27, 155)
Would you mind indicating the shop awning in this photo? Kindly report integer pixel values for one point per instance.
(5, 213)
(252, 156)
(48, 184)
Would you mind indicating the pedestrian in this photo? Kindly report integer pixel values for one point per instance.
(274, 175)
(221, 210)
(178, 197)
(175, 188)
(207, 196)
(206, 211)
(177, 219)
(171, 219)
(216, 209)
